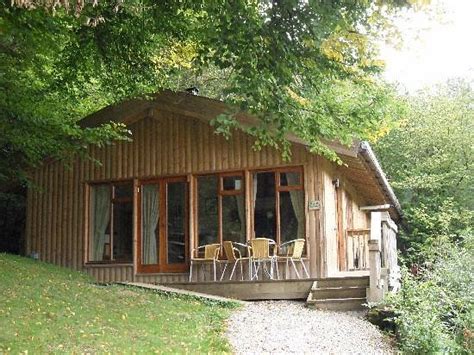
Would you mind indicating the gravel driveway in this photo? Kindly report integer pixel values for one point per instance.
(290, 327)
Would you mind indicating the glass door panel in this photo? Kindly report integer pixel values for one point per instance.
(233, 218)
(176, 222)
(264, 197)
(163, 237)
(208, 209)
(291, 215)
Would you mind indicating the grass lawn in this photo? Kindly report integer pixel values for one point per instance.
(44, 308)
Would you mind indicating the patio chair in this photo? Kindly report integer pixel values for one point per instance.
(294, 252)
(230, 252)
(260, 256)
(211, 255)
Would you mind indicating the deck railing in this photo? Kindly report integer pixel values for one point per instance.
(384, 269)
(357, 249)
(389, 256)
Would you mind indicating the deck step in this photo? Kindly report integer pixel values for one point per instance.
(339, 292)
(362, 281)
(337, 304)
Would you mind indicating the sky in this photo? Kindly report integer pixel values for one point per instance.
(436, 46)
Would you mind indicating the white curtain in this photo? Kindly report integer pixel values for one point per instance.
(150, 212)
(297, 200)
(101, 213)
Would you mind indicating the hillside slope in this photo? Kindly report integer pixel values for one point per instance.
(44, 308)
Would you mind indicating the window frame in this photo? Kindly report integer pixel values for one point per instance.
(278, 188)
(162, 267)
(246, 191)
(221, 192)
(113, 201)
(248, 198)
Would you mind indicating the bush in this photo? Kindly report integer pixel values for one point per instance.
(434, 310)
(430, 226)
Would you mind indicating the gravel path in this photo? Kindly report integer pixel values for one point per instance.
(290, 327)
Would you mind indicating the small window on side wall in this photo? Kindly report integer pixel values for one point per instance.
(111, 223)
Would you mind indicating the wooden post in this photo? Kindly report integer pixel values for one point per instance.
(375, 226)
(389, 252)
(375, 291)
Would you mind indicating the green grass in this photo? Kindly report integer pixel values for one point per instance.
(44, 308)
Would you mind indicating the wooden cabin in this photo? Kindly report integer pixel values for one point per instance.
(138, 215)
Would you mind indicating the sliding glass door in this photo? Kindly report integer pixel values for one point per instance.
(163, 225)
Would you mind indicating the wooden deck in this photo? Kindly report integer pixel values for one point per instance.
(262, 290)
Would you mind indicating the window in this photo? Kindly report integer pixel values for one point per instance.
(208, 202)
(111, 223)
(176, 221)
(221, 208)
(278, 204)
(264, 198)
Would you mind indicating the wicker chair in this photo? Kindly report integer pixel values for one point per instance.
(234, 256)
(260, 256)
(294, 251)
(211, 255)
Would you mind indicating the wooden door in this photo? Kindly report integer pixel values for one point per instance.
(163, 239)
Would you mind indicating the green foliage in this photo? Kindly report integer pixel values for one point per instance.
(37, 115)
(435, 310)
(428, 157)
(286, 71)
(429, 160)
(306, 67)
(434, 154)
(429, 224)
(47, 309)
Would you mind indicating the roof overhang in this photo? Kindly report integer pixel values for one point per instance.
(360, 165)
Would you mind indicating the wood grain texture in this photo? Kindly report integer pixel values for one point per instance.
(165, 144)
(338, 220)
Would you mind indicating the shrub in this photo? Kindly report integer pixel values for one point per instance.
(430, 226)
(434, 310)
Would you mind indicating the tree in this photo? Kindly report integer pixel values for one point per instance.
(37, 119)
(309, 67)
(429, 159)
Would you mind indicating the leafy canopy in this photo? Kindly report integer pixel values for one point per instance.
(309, 67)
(429, 159)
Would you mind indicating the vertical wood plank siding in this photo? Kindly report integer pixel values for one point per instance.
(164, 144)
(352, 216)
